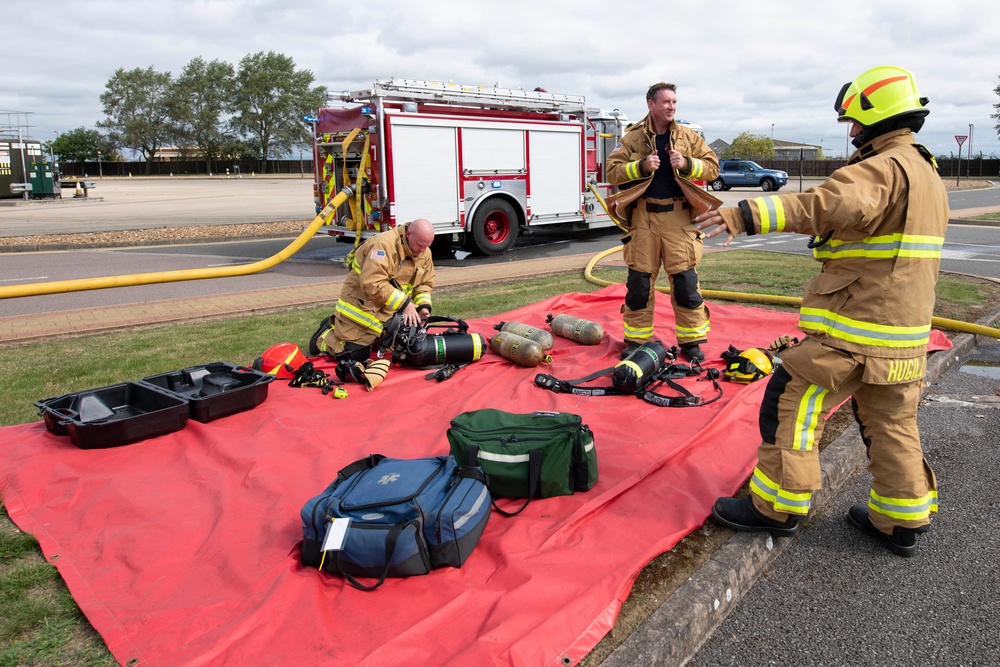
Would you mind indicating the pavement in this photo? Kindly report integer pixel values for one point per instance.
(829, 595)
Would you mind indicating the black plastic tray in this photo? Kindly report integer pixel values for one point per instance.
(113, 416)
(214, 390)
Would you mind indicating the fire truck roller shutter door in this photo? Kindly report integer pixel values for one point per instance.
(494, 227)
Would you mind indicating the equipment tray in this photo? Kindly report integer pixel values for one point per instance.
(214, 390)
(112, 416)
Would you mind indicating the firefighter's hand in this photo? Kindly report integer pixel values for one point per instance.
(410, 316)
(677, 160)
(422, 313)
(651, 163)
(713, 219)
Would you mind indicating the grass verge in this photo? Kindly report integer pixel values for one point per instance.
(41, 624)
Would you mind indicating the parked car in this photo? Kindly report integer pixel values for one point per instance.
(745, 173)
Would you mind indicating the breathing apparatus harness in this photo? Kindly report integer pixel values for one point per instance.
(644, 371)
(308, 375)
(450, 350)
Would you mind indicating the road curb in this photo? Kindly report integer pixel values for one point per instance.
(673, 634)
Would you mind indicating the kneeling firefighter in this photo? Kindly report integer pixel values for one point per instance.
(390, 273)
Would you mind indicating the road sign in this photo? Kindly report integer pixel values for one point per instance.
(960, 138)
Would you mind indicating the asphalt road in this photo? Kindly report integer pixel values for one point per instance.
(141, 203)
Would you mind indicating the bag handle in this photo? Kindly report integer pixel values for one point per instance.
(390, 548)
(534, 474)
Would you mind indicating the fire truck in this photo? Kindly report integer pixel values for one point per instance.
(483, 164)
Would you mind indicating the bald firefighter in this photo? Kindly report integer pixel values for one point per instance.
(878, 225)
(652, 154)
(392, 272)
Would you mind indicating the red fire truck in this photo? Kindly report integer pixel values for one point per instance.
(483, 164)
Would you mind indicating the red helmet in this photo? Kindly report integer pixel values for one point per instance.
(281, 360)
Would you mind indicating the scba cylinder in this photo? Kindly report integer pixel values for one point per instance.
(543, 338)
(576, 329)
(522, 351)
(435, 349)
(634, 372)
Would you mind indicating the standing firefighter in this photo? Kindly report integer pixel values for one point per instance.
(878, 225)
(651, 156)
(389, 273)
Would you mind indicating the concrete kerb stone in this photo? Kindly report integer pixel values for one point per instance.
(673, 634)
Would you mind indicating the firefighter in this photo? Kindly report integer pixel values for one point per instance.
(651, 155)
(878, 225)
(392, 272)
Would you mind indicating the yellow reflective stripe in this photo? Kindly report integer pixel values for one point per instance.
(359, 316)
(772, 214)
(863, 333)
(396, 300)
(355, 265)
(631, 364)
(807, 416)
(422, 299)
(792, 502)
(478, 345)
(883, 247)
(633, 171)
(904, 509)
(637, 332)
(694, 332)
(697, 168)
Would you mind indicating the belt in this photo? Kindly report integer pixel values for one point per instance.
(665, 208)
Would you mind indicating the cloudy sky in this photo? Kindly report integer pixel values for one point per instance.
(739, 66)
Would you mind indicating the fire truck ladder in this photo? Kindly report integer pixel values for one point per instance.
(409, 90)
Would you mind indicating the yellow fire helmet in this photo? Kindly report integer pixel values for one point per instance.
(879, 94)
(744, 367)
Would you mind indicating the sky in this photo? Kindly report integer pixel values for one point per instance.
(772, 68)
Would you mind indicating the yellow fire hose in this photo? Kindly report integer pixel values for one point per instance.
(939, 322)
(79, 285)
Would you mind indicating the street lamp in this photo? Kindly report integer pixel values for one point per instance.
(772, 132)
(52, 148)
(100, 169)
(970, 151)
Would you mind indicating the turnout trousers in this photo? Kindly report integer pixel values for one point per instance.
(812, 380)
(669, 239)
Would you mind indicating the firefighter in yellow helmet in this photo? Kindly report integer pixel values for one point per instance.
(390, 273)
(652, 155)
(878, 225)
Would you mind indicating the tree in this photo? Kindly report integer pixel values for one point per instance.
(81, 145)
(138, 104)
(997, 107)
(271, 98)
(751, 147)
(201, 95)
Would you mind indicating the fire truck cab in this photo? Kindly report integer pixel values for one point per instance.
(483, 164)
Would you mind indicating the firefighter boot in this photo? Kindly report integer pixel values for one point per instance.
(902, 542)
(314, 349)
(740, 514)
(692, 352)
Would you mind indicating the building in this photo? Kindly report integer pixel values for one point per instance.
(790, 150)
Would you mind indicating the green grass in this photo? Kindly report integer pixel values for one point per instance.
(41, 625)
(987, 216)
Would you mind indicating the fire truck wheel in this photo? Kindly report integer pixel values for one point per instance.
(494, 229)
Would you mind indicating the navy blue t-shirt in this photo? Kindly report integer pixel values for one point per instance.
(664, 184)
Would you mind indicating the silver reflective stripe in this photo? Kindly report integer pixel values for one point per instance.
(475, 509)
(588, 447)
(503, 458)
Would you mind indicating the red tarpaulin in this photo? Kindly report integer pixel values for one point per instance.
(182, 550)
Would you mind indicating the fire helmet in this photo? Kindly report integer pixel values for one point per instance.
(879, 94)
(746, 366)
(281, 360)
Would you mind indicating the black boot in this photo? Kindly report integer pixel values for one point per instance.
(740, 514)
(902, 542)
(630, 347)
(324, 326)
(692, 352)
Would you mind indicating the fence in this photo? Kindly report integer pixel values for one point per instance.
(977, 167)
(186, 168)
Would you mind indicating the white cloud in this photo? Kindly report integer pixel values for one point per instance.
(739, 66)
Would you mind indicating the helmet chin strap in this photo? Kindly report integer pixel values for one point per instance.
(912, 121)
